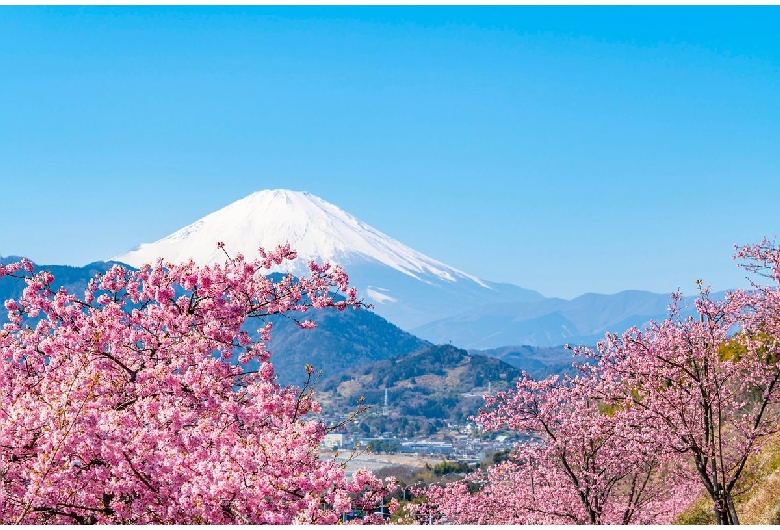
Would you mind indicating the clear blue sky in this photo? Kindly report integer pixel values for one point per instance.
(564, 149)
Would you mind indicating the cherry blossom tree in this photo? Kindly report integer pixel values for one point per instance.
(583, 464)
(657, 416)
(128, 405)
(707, 386)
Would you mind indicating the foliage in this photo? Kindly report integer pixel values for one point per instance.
(446, 467)
(123, 406)
(501, 456)
(383, 446)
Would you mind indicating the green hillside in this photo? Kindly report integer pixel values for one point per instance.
(426, 390)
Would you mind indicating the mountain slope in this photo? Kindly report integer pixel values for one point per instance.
(406, 286)
(317, 230)
(342, 340)
(539, 362)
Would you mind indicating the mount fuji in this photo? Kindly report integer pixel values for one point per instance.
(406, 287)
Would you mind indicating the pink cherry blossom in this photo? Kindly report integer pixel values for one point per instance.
(124, 406)
(706, 386)
(656, 418)
(580, 465)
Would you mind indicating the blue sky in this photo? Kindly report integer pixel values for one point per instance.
(564, 149)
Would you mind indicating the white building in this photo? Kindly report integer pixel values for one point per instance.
(333, 441)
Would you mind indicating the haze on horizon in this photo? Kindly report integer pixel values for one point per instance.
(562, 149)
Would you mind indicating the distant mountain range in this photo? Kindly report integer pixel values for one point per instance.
(538, 362)
(426, 314)
(342, 341)
(550, 322)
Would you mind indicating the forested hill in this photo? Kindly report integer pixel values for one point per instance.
(342, 341)
(440, 382)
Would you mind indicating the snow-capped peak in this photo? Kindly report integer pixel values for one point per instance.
(316, 230)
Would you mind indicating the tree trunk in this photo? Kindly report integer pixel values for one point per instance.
(723, 506)
(732, 510)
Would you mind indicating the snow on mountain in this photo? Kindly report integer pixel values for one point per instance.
(406, 286)
(315, 228)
